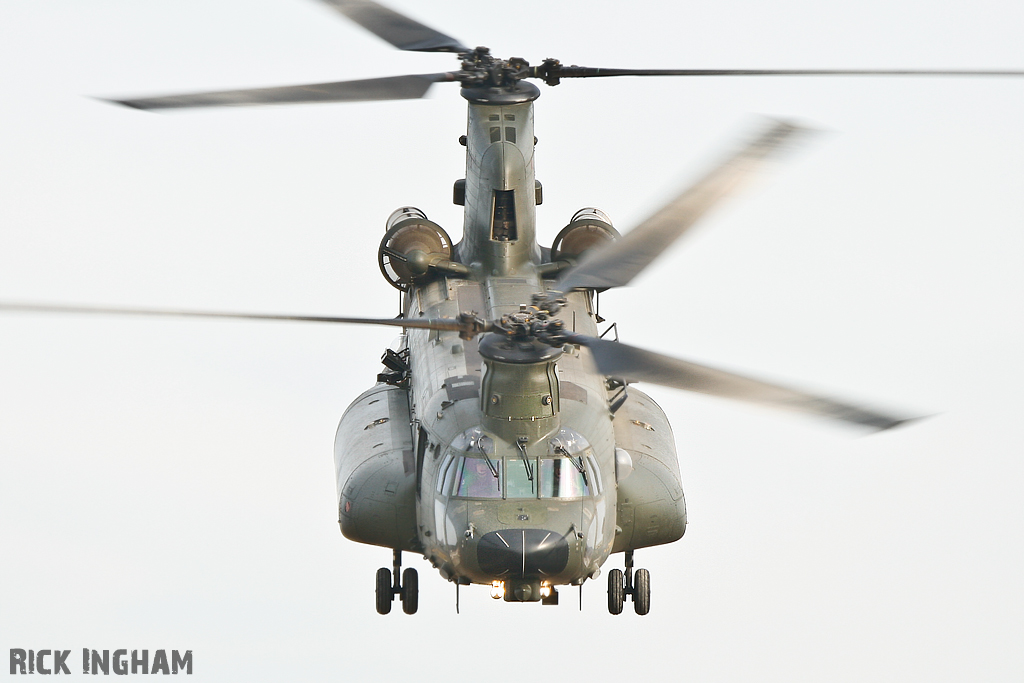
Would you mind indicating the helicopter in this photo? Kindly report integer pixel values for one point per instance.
(527, 314)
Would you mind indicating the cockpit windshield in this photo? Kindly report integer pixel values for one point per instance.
(477, 479)
(470, 469)
(560, 478)
(521, 480)
(562, 467)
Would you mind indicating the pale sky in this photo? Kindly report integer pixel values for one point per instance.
(169, 484)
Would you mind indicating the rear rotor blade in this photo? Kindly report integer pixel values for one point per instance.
(618, 262)
(616, 359)
(390, 88)
(592, 72)
(463, 324)
(397, 29)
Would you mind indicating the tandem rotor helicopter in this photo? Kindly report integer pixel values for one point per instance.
(505, 440)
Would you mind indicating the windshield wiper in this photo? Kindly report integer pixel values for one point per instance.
(578, 465)
(521, 442)
(490, 465)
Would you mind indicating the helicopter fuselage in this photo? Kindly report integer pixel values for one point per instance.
(505, 462)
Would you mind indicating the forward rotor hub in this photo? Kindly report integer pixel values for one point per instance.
(532, 324)
(527, 336)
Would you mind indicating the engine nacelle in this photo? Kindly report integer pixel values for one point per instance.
(412, 247)
(376, 470)
(588, 228)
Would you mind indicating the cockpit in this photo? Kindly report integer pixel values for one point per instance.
(562, 466)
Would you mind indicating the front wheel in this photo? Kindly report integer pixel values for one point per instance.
(383, 590)
(616, 591)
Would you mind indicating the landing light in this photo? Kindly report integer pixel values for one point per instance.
(497, 589)
(545, 589)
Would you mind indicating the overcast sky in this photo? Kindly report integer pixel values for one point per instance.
(169, 484)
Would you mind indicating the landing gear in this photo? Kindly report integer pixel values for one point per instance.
(638, 589)
(616, 591)
(642, 592)
(384, 595)
(408, 590)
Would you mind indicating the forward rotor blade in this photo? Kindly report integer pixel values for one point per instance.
(390, 88)
(618, 262)
(616, 359)
(590, 72)
(443, 324)
(397, 29)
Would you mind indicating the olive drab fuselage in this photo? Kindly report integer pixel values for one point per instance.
(498, 460)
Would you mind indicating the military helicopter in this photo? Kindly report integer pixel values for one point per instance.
(505, 441)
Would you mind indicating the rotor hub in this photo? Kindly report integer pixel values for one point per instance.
(518, 350)
(487, 79)
(531, 325)
(480, 69)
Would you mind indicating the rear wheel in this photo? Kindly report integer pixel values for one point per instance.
(616, 591)
(383, 590)
(642, 591)
(410, 591)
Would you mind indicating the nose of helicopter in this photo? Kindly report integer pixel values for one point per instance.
(522, 553)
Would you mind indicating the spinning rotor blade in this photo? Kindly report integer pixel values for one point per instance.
(620, 261)
(467, 324)
(390, 88)
(634, 364)
(397, 29)
(560, 71)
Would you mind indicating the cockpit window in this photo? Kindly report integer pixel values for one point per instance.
(560, 478)
(567, 477)
(444, 474)
(595, 473)
(477, 480)
(476, 472)
(474, 440)
(454, 467)
(521, 481)
(568, 441)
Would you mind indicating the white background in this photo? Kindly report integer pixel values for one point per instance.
(169, 484)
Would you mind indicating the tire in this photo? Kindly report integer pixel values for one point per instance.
(642, 591)
(616, 591)
(383, 590)
(410, 591)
